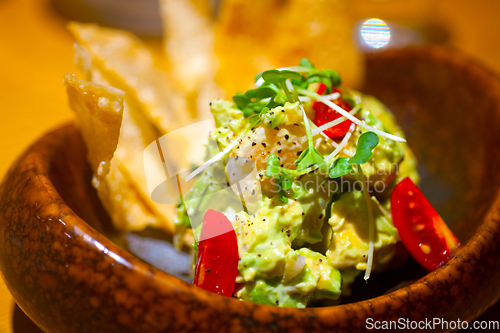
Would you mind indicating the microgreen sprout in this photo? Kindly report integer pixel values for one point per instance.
(366, 143)
(343, 165)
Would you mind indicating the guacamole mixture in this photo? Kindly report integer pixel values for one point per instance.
(311, 210)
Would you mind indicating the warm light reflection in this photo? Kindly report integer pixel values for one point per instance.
(376, 33)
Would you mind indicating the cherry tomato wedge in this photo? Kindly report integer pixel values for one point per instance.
(422, 231)
(325, 114)
(321, 89)
(217, 258)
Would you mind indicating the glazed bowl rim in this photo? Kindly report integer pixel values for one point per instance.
(474, 246)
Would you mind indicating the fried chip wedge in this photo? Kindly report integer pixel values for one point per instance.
(127, 177)
(126, 63)
(100, 112)
(125, 204)
(123, 191)
(189, 44)
(189, 38)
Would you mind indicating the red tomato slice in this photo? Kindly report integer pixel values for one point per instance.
(421, 229)
(325, 114)
(321, 89)
(217, 258)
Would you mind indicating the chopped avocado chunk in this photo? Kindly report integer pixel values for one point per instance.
(271, 292)
(288, 114)
(265, 240)
(314, 192)
(230, 122)
(316, 279)
(329, 278)
(349, 245)
(226, 115)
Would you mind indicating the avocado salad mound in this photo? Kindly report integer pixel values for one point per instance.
(294, 201)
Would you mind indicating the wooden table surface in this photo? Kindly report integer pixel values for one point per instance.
(36, 51)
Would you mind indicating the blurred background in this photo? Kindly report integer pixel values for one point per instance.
(36, 51)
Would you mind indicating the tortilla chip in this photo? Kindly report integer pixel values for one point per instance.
(123, 191)
(189, 35)
(100, 111)
(126, 204)
(189, 38)
(128, 170)
(125, 62)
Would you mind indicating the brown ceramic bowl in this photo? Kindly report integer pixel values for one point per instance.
(69, 277)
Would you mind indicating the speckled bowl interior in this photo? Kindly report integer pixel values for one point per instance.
(60, 257)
